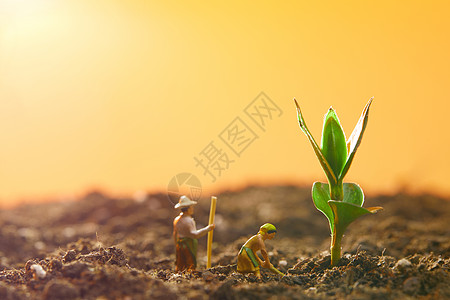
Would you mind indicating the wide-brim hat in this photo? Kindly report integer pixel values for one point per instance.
(185, 202)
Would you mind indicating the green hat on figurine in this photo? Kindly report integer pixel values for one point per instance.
(267, 228)
(185, 202)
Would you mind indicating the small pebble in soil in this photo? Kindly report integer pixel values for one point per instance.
(403, 264)
(28, 265)
(282, 263)
(38, 271)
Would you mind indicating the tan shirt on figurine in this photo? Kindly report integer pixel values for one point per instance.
(184, 226)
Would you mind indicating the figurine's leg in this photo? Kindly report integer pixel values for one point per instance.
(182, 261)
(190, 262)
(180, 264)
(244, 263)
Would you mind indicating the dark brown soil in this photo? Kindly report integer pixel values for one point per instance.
(100, 248)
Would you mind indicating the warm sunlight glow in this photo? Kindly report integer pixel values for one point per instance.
(123, 95)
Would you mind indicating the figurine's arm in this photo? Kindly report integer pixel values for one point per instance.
(187, 229)
(201, 232)
(266, 263)
(175, 235)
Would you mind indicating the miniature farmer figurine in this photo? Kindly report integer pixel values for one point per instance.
(248, 261)
(185, 235)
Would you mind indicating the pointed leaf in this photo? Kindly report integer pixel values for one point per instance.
(355, 138)
(353, 194)
(333, 142)
(345, 213)
(321, 196)
(323, 162)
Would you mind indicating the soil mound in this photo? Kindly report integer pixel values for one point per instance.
(101, 248)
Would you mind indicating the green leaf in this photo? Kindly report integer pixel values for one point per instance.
(345, 213)
(353, 194)
(321, 196)
(323, 161)
(333, 142)
(355, 138)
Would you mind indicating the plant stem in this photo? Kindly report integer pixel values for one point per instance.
(337, 191)
(335, 248)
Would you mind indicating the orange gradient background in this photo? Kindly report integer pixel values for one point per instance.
(121, 95)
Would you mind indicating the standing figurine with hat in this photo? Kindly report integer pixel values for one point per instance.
(248, 261)
(185, 235)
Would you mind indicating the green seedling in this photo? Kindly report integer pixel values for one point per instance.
(340, 202)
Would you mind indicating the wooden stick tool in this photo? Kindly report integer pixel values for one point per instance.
(212, 213)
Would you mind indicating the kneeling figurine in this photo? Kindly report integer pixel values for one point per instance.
(248, 261)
